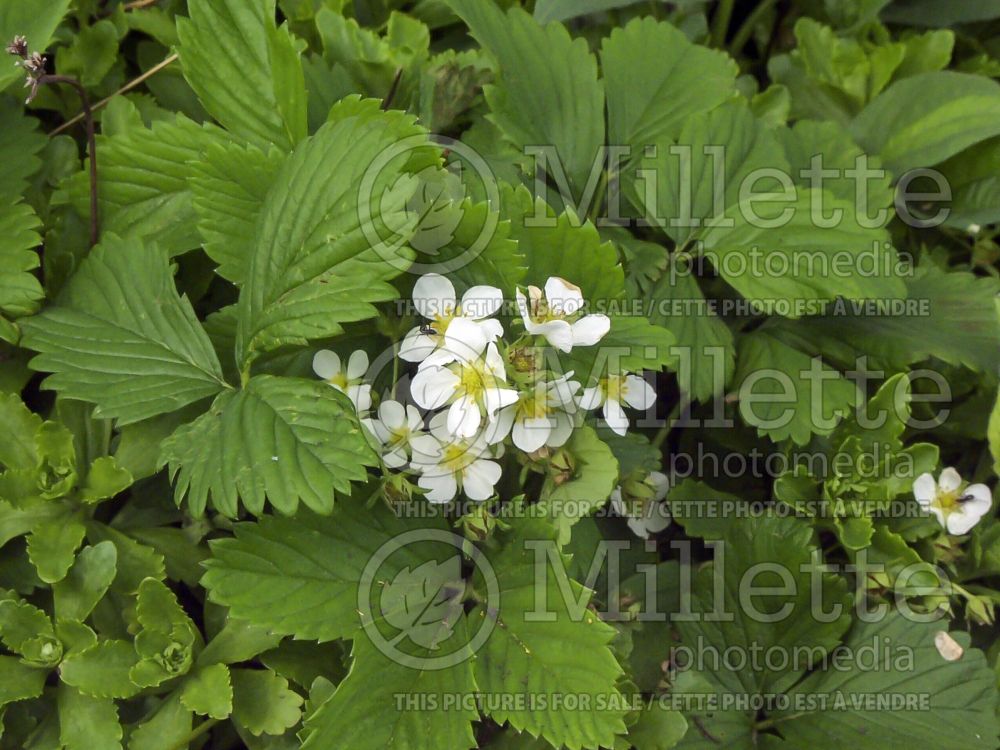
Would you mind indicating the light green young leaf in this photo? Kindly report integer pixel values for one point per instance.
(524, 656)
(281, 439)
(648, 103)
(922, 120)
(209, 692)
(228, 186)
(52, 547)
(101, 671)
(263, 703)
(105, 479)
(87, 723)
(19, 681)
(88, 580)
(537, 66)
(146, 352)
(19, 424)
(245, 70)
(91, 54)
(34, 22)
(156, 608)
(167, 729)
(135, 562)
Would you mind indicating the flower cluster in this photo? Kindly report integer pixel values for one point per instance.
(32, 62)
(958, 506)
(474, 393)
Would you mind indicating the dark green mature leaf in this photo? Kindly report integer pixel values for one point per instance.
(87, 723)
(209, 692)
(283, 439)
(34, 22)
(263, 703)
(78, 593)
(922, 120)
(19, 681)
(20, 291)
(647, 103)
(20, 144)
(122, 338)
(314, 266)
(537, 66)
(245, 70)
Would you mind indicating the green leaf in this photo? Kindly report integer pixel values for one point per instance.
(105, 479)
(52, 547)
(245, 71)
(313, 265)
(87, 723)
(960, 710)
(143, 182)
(168, 728)
(286, 439)
(228, 186)
(264, 577)
(523, 656)
(101, 671)
(595, 476)
(263, 703)
(88, 580)
(994, 436)
(18, 681)
(20, 144)
(922, 120)
(20, 291)
(36, 23)
(146, 352)
(973, 178)
(23, 626)
(19, 424)
(343, 722)
(658, 728)
(649, 102)
(786, 394)
(537, 65)
(209, 692)
(91, 54)
(135, 562)
(156, 608)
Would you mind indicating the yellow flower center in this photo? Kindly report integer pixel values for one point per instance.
(475, 379)
(614, 387)
(339, 380)
(534, 405)
(455, 457)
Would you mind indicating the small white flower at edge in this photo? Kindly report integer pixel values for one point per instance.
(448, 465)
(552, 317)
(394, 429)
(611, 392)
(466, 322)
(652, 518)
(955, 508)
(473, 385)
(541, 416)
(327, 365)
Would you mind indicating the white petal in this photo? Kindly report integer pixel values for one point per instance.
(433, 296)
(614, 415)
(522, 307)
(380, 431)
(492, 328)
(938, 514)
(479, 478)
(638, 393)
(562, 296)
(426, 452)
(432, 387)
(638, 527)
(980, 500)
(531, 434)
(326, 364)
(925, 489)
(442, 486)
(494, 362)
(561, 430)
(357, 365)
(413, 419)
(497, 398)
(591, 398)
(416, 346)
(396, 458)
(392, 413)
(439, 427)
(559, 333)
(481, 302)
(466, 339)
(464, 417)
(661, 484)
(499, 428)
(961, 521)
(950, 480)
(590, 329)
(657, 517)
(361, 397)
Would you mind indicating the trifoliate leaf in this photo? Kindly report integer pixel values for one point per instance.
(82, 588)
(146, 352)
(922, 120)
(262, 578)
(101, 671)
(19, 681)
(52, 547)
(209, 692)
(565, 655)
(314, 266)
(536, 63)
(245, 70)
(420, 603)
(87, 723)
(283, 439)
(228, 186)
(343, 722)
(649, 102)
(263, 703)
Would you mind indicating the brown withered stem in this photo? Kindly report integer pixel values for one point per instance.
(33, 64)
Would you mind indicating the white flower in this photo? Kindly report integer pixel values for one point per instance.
(956, 508)
(649, 517)
(553, 317)
(473, 385)
(327, 365)
(395, 427)
(614, 389)
(541, 416)
(451, 322)
(448, 465)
